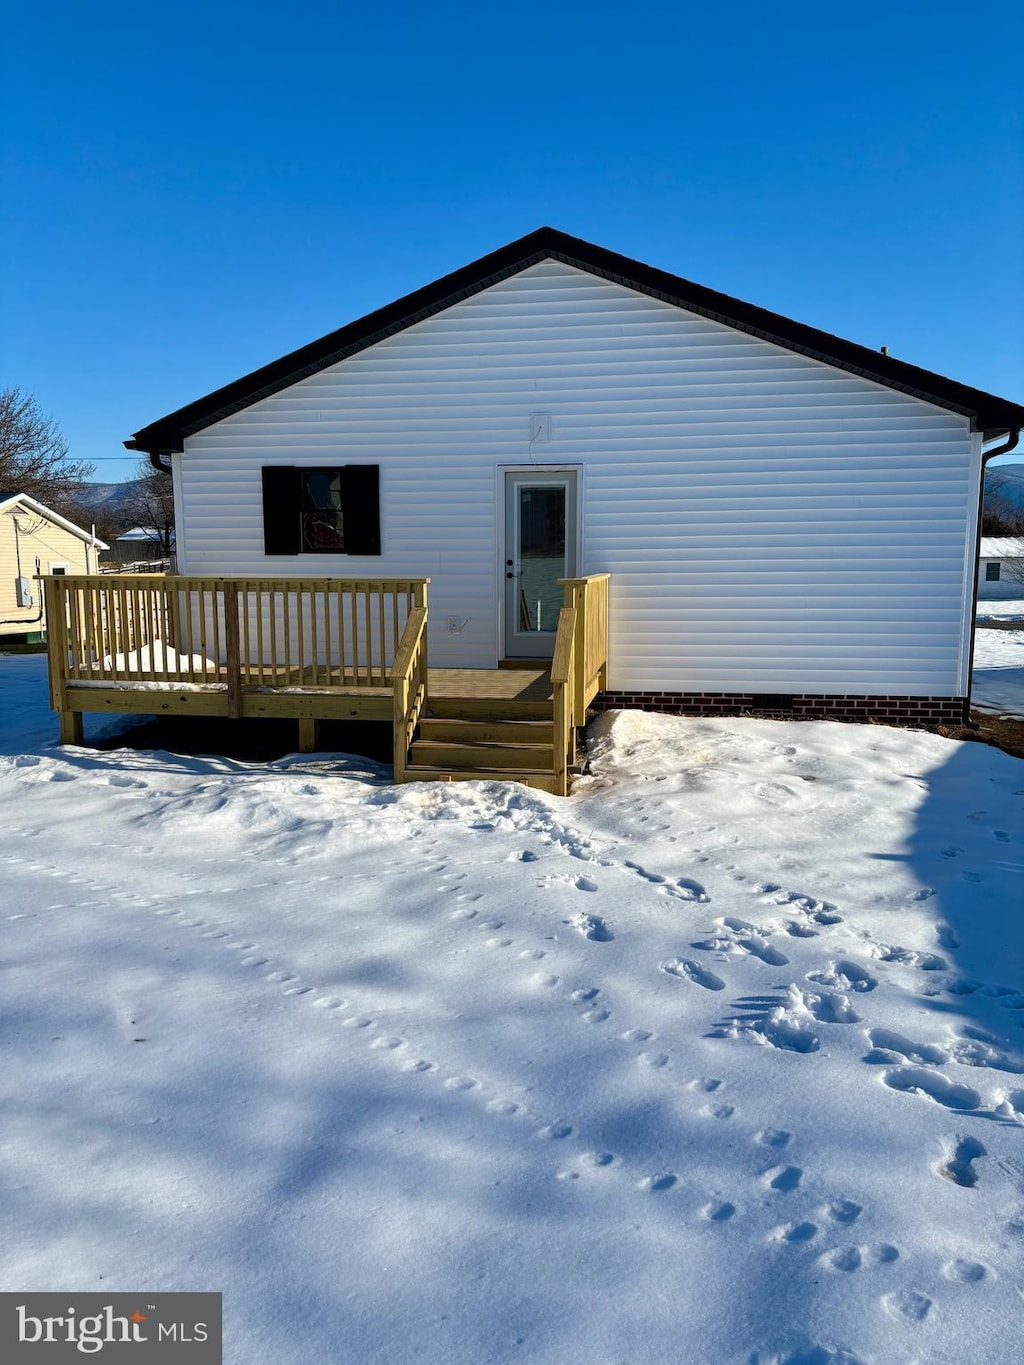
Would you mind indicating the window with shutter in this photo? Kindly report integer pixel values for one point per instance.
(316, 510)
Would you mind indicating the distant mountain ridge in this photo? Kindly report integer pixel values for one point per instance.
(107, 497)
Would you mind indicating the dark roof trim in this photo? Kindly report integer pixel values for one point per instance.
(988, 413)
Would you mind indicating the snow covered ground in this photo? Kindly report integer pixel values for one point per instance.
(998, 685)
(996, 609)
(718, 1060)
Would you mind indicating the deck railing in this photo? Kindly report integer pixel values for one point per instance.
(227, 632)
(588, 597)
(409, 681)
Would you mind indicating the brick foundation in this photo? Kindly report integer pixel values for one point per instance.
(921, 712)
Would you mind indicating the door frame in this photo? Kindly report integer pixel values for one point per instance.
(575, 541)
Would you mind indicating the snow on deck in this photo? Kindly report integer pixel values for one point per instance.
(718, 1060)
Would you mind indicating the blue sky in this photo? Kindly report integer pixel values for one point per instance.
(191, 190)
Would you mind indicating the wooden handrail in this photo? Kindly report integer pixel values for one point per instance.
(562, 683)
(408, 678)
(589, 596)
(411, 637)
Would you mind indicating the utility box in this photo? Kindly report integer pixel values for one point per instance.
(23, 592)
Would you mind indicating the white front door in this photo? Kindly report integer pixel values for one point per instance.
(540, 548)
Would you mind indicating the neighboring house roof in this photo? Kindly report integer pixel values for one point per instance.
(8, 500)
(142, 533)
(992, 415)
(1002, 547)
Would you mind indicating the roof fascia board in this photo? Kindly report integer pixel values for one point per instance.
(985, 411)
(27, 500)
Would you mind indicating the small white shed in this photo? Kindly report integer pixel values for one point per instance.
(790, 520)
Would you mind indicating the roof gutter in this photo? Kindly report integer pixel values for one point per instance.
(156, 459)
(1009, 444)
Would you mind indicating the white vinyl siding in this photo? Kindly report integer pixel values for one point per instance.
(772, 523)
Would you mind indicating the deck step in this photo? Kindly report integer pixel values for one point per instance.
(444, 754)
(422, 772)
(488, 708)
(487, 731)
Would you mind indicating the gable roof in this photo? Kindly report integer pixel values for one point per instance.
(992, 415)
(9, 500)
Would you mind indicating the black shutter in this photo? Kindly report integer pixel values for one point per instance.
(281, 510)
(360, 501)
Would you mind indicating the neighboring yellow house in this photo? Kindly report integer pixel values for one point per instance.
(34, 540)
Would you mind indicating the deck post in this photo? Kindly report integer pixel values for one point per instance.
(309, 735)
(232, 653)
(72, 730)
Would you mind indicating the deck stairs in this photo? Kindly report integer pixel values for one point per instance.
(484, 739)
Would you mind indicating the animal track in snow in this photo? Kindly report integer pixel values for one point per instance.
(843, 1258)
(685, 967)
(656, 1184)
(636, 1035)
(785, 1179)
(795, 1233)
(947, 937)
(918, 1080)
(959, 1163)
(555, 1132)
(718, 1211)
(772, 1137)
(965, 1272)
(843, 1211)
(907, 1305)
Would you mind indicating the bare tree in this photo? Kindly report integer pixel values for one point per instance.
(33, 453)
(150, 506)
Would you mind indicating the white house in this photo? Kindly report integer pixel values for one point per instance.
(790, 520)
(1001, 567)
(35, 540)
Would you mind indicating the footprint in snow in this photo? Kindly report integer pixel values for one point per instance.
(890, 1046)
(718, 1211)
(959, 1163)
(709, 1084)
(843, 975)
(636, 1035)
(917, 1080)
(718, 1111)
(684, 967)
(585, 993)
(591, 927)
(585, 884)
(460, 1083)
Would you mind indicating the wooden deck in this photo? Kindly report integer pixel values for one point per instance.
(321, 650)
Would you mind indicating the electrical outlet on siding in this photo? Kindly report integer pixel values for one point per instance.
(454, 625)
